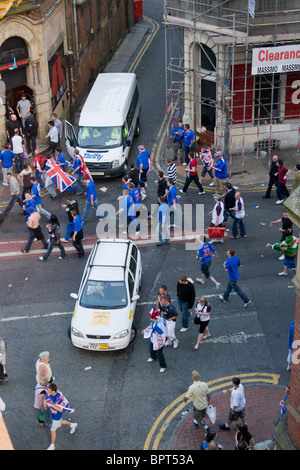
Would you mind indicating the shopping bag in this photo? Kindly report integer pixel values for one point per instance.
(2, 405)
(211, 413)
(25, 155)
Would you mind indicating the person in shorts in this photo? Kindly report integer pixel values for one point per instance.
(237, 405)
(199, 393)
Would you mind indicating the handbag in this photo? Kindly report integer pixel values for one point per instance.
(197, 320)
(216, 232)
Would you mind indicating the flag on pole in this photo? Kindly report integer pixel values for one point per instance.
(61, 179)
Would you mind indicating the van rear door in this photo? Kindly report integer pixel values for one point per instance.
(71, 138)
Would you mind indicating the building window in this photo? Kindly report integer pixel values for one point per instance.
(265, 99)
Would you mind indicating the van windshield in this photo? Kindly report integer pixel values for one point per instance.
(104, 294)
(99, 137)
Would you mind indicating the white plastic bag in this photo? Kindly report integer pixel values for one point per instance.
(211, 412)
(2, 405)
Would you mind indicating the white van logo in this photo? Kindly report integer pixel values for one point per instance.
(94, 156)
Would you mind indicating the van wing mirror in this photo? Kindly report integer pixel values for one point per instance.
(74, 296)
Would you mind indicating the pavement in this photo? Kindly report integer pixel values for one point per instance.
(249, 174)
(262, 410)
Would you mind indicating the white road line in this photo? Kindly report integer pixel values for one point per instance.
(237, 338)
(34, 317)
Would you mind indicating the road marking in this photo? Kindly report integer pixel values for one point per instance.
(155, 28)
(214, 385)
(34, 317)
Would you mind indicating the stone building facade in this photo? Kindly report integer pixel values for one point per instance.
(53, 50)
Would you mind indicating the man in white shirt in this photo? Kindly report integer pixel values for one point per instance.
(53, 136)
(237, 404)
(18, 146)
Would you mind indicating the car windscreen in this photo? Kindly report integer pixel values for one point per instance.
(99, 137)
(104, 294)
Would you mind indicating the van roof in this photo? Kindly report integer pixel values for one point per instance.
(106, 104)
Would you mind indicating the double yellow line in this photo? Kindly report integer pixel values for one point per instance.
(152, 34)
(223, 384)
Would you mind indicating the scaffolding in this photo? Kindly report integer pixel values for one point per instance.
(241, 100)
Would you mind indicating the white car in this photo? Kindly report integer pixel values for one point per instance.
(108, 293)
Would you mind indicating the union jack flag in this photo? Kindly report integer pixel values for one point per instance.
(61, 179)
(84, 168)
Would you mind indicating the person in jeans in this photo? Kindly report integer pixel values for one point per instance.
(77, 233)
(35, 230)
(91, 199)
(36, 194)
(18, 147)
(281, 189)
(239, 214)
(15, 195)
(185, 298)
(7, 160)
(54, 239)
(157, 332)
(231, 265)
(163, 222)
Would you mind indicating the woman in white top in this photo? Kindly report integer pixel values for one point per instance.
(203, 311)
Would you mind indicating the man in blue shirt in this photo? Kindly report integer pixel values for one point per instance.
(177, 132)
(163, 222)
(91, 200)
(60, 158)
(189, 139)
(220, 168)
(7, 159)
(127, 209)
(204, 254)
(232, 265)
(172, 201)
(77, 236)
(36, 194)
(142, 162)
(78, 184)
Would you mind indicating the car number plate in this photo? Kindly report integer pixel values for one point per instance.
(103, 346)
(97, 173)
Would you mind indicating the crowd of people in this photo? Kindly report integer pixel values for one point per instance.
(228, 203)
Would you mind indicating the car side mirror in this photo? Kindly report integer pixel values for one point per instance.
(74, 296)
(135, 297)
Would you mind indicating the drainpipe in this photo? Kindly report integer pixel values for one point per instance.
(76, 31)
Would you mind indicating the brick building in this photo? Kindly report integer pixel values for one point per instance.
(53, 50)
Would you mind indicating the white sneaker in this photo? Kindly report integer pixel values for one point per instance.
(183, 329)
(218, 285)
(281, 258)
(5, 184)
(181, 191)
(247, 303)
(51, 447)
(280, 201)
(144, 195)
(282, 274)
(168, 343)
(199, 280)
(175, 344)
(41, 258)
(150, 359)
(222, 298)
(201, 192)
(73, 427)
(64, 240)
(211, 184)
(162, 369)
(184, 164)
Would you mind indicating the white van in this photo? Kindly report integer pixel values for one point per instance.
(109, 120)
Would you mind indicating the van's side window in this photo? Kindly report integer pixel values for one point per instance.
(133, 105)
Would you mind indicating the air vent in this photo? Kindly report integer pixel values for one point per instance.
(264, 144)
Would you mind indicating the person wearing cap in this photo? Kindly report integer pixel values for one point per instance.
(142, 162)
(35, 230)
(36, 194)
(157, 332)
(220, 168)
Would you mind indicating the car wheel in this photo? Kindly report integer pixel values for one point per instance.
(69, 331)
(132, 334)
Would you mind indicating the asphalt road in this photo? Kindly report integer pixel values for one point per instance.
(121, 395)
